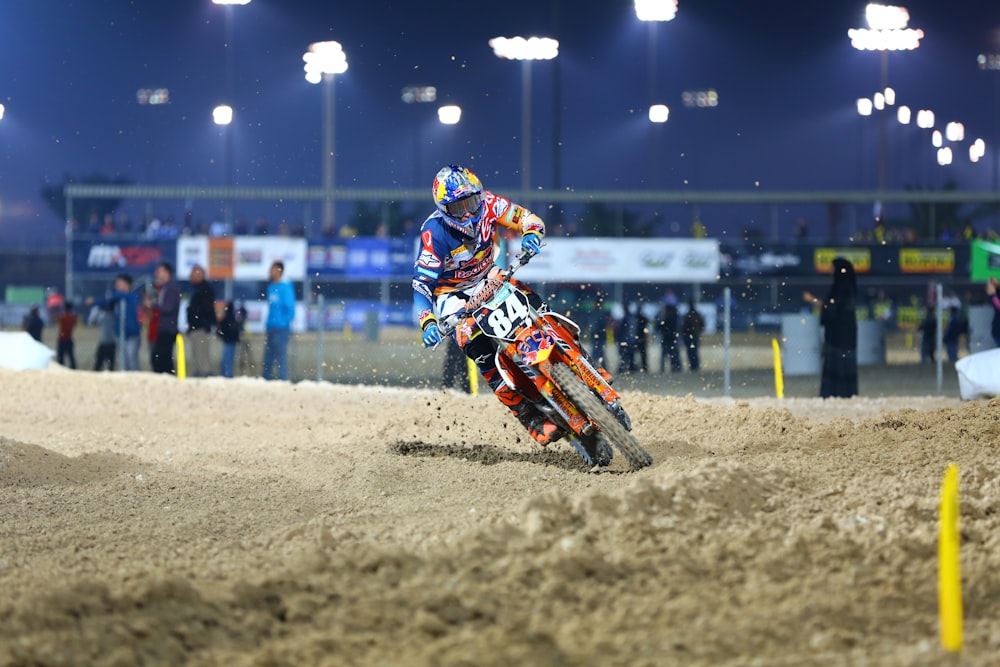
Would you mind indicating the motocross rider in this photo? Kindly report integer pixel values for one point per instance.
(457, 253)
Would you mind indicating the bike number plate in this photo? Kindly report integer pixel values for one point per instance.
(504, 315)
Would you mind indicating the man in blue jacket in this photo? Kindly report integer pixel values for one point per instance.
(124, 302)
(280, 313)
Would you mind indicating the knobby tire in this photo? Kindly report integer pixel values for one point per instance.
(592, 406)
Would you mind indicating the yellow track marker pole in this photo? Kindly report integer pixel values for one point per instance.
(181, 363)
(779, 381)
(473, 376)
(949, 570)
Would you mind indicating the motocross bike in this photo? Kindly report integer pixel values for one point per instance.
(538, 354)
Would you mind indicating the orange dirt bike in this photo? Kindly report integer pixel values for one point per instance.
(538, 354)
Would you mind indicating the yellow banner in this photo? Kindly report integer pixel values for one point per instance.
(926, 260)
(861, 258)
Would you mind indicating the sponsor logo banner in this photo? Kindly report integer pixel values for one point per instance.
(926, 260)
(861, 258)
(625, 260)
(111, 258)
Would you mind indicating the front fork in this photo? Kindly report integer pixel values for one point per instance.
(550, 399)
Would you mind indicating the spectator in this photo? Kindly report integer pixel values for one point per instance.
(691, 329)
(801, 230)
(633, 339)
(33, 323)
(202, 323)
(64, 346)
(127, 307)
(840, 333)
(991, 292)
(667, 325)
(280, 313)
(957, 327)
(151, 318)
(928, 336)
(123, 302)
(229, 330)
(104, 318)
(108, 228)
(167, 307)
(244, 351)
(456, 369)
(600, 322)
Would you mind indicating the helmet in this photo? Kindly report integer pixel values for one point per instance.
(458, 194)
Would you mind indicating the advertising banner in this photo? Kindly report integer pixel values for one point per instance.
(241, 257)
(114, 257)
(985, 260)
(624, 260)
(362, 258)
(253, 256)
(778, 259)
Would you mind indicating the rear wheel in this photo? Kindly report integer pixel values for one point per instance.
(592, 406)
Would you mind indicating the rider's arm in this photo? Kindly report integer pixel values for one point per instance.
(520, 219)
(426, 273)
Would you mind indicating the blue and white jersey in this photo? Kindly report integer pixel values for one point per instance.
(450, 261)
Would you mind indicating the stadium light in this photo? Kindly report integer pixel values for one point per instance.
(904, 115)
(954, 132)
(449, 114)
(222, 114)
(977, 150)
(525, 50)
(655, 10)
(322, 61)
(659, 113)
(865, 106)
(887, 31)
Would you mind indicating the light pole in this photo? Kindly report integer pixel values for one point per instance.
(222, 115)
(417, 95)
(449, 114)
(886, 32)
(322, 61)
(525, 50)
(230, 46)
(652, 12)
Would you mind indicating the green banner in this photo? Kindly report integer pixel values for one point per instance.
(985, 260)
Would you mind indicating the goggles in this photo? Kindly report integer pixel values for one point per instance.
(460, 208)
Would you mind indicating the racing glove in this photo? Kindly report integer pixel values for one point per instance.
(431, 335)
(531, 243)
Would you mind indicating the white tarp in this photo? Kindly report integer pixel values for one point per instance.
(979, 375)
(20, 352)
(623, 260)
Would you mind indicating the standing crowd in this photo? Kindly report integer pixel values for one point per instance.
(122, 314)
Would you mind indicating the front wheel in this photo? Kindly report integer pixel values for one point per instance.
(591, 405)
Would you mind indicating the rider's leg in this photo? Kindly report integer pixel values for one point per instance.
(479, 349)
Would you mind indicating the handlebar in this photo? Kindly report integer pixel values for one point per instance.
(447, 325)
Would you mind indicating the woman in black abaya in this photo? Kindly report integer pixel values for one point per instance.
(840, 333)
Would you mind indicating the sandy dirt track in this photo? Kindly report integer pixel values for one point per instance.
(149, 521)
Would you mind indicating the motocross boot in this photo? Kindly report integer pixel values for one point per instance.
(539, 427)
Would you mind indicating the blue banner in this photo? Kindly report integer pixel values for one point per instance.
(362, 258)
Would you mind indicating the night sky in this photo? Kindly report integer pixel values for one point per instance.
(786, 75)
